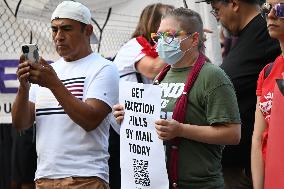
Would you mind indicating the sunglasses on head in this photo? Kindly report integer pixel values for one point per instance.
(278, 9)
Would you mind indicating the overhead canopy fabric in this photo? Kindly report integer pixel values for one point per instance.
(42, 9)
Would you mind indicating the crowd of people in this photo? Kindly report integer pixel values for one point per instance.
(219, 129)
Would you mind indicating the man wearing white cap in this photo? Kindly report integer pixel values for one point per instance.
(70, 100)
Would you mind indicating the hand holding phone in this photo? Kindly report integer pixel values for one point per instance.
(31, 52)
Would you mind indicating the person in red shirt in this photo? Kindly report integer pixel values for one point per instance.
(274, 11)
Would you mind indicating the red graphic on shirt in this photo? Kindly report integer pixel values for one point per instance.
(266, 105)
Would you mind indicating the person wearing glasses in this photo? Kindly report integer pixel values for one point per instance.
(199, 107)
(274, 11)
(137, 61)
(253, 50)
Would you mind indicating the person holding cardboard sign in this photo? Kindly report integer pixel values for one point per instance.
(199, 107)
(137, 61)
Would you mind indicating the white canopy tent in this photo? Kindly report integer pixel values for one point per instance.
(41, 9)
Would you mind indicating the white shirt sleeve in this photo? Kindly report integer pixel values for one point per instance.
(127, 56)
(104, 85)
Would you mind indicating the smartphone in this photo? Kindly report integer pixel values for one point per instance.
(31, 52)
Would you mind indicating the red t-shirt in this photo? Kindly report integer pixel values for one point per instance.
(265, 88)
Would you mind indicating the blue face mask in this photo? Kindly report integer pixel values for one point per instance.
(171, 53)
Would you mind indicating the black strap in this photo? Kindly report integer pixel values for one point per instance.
(139, 77)
(280, 83)
(268, 70)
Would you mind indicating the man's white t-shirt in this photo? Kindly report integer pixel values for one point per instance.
(64, 148)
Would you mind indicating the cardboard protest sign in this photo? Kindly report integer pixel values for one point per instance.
(142, 156)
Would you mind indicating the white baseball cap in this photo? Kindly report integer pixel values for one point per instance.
(75, 11)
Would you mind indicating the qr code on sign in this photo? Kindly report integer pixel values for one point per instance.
(141, 173)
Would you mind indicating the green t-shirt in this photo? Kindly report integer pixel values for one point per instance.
(211, 100)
